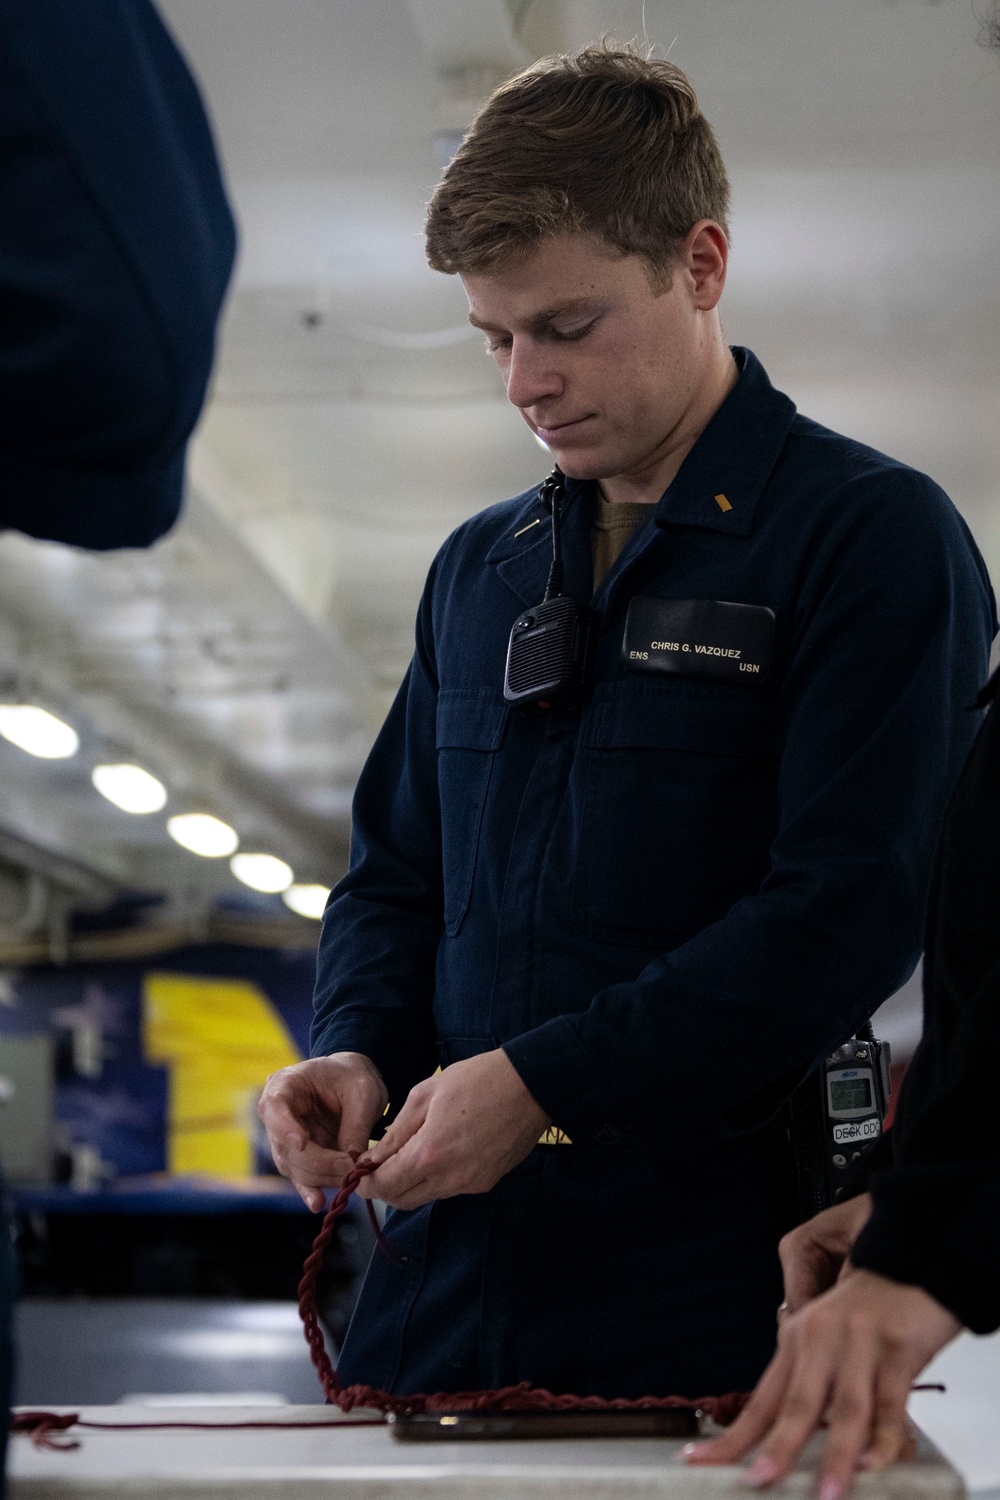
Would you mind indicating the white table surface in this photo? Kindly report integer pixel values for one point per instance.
(367, 1463)
(963, 1422)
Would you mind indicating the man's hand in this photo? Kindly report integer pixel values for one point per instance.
(315, 1113)
(815, 1254)
(458, 1132)
(851, 1357)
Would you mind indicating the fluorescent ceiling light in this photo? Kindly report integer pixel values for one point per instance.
(203, 834)
(262, 872)
(307, 900)
(130, 788)
(37, 731)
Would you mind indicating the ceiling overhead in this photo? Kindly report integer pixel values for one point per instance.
(248, 659)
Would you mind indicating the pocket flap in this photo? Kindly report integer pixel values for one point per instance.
(672, 715)
(470, 719)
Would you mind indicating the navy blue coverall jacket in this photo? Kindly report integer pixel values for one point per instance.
(116, 245)
(665, 907)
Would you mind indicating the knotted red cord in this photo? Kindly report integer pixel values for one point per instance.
(43, 1426)
(523, 1397)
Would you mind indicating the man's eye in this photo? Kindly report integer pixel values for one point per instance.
(494, 346)
(570, 335)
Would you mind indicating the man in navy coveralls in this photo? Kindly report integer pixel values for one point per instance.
(638, 923)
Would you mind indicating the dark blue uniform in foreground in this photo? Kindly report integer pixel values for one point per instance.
(666, 907)
(116, 245)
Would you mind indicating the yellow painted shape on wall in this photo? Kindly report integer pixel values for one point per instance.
(220, 1038)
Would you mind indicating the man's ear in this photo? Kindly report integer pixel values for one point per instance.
(705, 253)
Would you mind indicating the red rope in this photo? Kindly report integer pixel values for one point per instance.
(43, 1426)
(523, 1397)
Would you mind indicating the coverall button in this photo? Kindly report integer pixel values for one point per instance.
(607, 1135)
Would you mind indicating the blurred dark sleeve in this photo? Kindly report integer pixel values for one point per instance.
(935, 1221)
(116, 246)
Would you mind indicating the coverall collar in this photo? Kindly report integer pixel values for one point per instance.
(719, 483)
(716, 488)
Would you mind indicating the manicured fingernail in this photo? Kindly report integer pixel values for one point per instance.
(762, 1470)
(689, 1451)
(831, 1489)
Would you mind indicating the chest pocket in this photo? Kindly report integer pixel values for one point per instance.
(678, 810)
(470, 727)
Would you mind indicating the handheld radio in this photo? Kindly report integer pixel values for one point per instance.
(547, 654)
(835, 1117)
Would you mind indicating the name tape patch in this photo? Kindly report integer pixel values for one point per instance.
(699, 638)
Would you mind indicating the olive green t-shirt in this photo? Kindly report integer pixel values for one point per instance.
(612, 525)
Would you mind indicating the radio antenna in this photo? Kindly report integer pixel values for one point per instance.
(552, 492)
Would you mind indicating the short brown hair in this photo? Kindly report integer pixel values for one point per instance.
(605, 142)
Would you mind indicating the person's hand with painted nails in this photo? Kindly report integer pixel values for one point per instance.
(316, 1114)
(849, 1357)
(458, 1132)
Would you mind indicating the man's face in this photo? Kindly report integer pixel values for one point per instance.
(602, 367)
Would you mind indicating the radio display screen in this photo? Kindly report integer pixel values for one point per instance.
(850, 1093)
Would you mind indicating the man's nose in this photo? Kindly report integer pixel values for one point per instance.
(531, 375)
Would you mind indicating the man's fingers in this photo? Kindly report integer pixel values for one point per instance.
(316, 1167)
(357, 1119)
(284, 1130)
(458, 1132)
(393, 1137)
(309, 1168)
(318, 1115)
(401, 1164)
(403, 1128)
(409, 1192)
(313, 1198)
(397, 1177)
(415, 1197)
